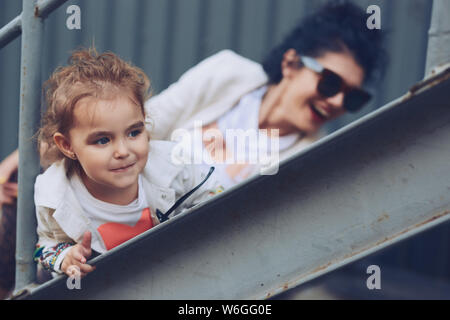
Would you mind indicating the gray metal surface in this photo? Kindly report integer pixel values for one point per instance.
(369, 185)
(14, 28)
(11, 31)
(439, 35)
(30, 84)
(29, 117)
(45, 7)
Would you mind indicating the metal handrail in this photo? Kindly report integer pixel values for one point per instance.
(29, 24)
(11, 31)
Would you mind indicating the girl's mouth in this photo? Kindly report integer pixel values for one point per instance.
(123, 168)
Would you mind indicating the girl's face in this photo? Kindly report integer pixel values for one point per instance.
(111, 144)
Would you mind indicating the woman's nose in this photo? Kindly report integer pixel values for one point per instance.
(337, 101)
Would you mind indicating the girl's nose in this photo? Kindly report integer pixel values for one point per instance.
(121, 150)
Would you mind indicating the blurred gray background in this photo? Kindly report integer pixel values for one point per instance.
(166, 37)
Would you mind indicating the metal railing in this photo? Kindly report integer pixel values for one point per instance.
(29, 24)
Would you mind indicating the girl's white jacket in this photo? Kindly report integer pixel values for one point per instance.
(61, 219)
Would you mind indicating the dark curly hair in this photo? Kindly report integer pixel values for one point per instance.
(337, 26)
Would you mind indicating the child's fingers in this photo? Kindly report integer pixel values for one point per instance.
(79, 270)
(73, 270)
(78, 255)
(86, 244)
(86, 268)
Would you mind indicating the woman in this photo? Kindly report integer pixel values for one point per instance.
(315, 75)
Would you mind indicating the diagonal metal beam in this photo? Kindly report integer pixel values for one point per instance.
(380, 180)
(11, 31)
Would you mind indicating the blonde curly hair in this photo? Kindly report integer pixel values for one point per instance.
(88, 74)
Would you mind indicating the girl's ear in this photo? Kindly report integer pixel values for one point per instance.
(64, 145)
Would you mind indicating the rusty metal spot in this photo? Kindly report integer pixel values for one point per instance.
(321, 267)
(383, 217)
(431, 81)
(431, 219)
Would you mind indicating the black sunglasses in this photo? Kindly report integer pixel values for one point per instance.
(331, 84)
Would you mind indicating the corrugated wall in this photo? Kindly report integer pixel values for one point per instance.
(166, 37)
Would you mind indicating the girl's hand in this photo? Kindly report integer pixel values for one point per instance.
(75, 259)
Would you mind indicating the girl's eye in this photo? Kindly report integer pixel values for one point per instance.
(103, 140)
(134, 133)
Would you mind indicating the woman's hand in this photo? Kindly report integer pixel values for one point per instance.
(8, 190)
(75, 259)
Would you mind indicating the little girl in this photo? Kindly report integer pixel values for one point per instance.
(106, 182)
